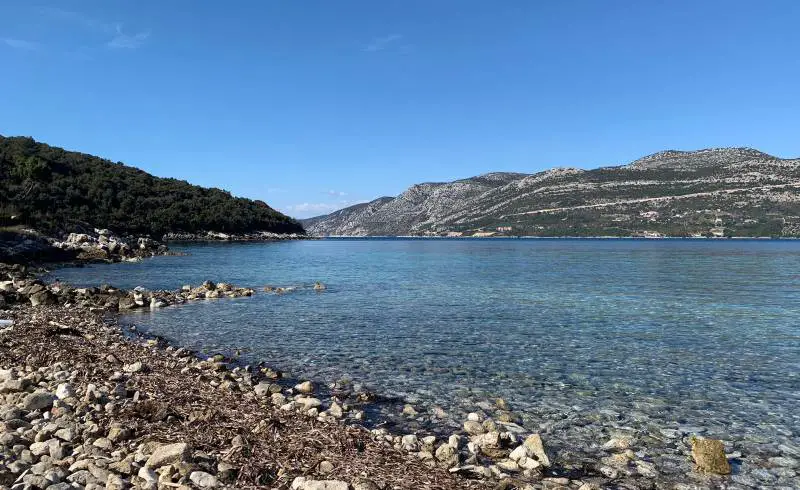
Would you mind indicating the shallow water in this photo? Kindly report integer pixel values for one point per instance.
(585, 339)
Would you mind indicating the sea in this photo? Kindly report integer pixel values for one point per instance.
(587, 340)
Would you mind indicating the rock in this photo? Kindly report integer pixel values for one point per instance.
(410, 411)
(127, 303)
(365, 484)
(301, 483)
(487, 440)
(64, 390)
(148, 475)
(709, 456)
(325, 467)
(103, 443)
(617, 444)
(135, 367)
(502, 405)
(42, 298)
(118, 433)
(410, 442)
(473, 427)
(305, 387)
(474, 417)
(66, 434)
(447, 455)
(262, 389)
(203, 479)
(169, 454)
(38, 401)
(115, 482)
(335, 410)
(535, 449)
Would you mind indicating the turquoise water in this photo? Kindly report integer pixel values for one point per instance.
(584, 338)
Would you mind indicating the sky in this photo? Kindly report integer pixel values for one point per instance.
(313, 105)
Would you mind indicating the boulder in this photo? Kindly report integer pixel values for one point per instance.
(301, 483)
(305, 387)
(42, 298)
(169, 454)
(473, 427)
(447, 455)
(38, 401)
(203, 479)
(709, 456)
(535, 449)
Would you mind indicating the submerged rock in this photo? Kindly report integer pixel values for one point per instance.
(709, 456)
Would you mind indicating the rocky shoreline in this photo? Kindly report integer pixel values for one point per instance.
(211, 236)
(27, 246)
(86, 404)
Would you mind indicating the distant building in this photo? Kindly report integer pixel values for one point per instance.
(505, 229)
(717, 232)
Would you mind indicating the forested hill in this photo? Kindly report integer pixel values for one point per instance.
(54, 190)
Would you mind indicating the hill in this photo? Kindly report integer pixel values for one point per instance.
(58, 191)
(712, 192)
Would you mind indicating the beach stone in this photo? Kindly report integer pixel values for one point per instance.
(148, 475)
(135, 367)
(473, 427)
(262, 389)
(301, 483)
(335, 410)
(474, 417)
(203, 479)
(535, 449)
(168, 454)
(488, 440)
(278, 399)
(42, 298)
(709, 456)
(309, 403)
(325, 467)
(447, 455)
(783, 461)
(410, 442)
(64, 390)
(502, 405)
(38, 401)
(365, 484)
(115, 482)
(305, 387)
(410, 411)
(82, 477)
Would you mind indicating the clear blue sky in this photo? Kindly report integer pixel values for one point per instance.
(312, 105)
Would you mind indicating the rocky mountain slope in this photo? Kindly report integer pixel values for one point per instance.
(712, 192)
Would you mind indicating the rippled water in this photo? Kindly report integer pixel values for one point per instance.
(585, 338)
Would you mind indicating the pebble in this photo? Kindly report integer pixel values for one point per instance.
(203, 479)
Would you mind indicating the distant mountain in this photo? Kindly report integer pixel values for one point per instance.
(712, 192)
(56, 191)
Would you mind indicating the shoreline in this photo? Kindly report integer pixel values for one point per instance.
(138, 390)
(531, 237)
(492, 443)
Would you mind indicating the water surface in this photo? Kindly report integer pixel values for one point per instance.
(584, 338)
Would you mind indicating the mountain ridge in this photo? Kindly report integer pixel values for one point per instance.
(734, 191)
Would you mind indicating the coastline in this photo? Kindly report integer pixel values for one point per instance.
(126, 397)
(484, 450)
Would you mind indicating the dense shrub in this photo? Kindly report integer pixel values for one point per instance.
(55, 190)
